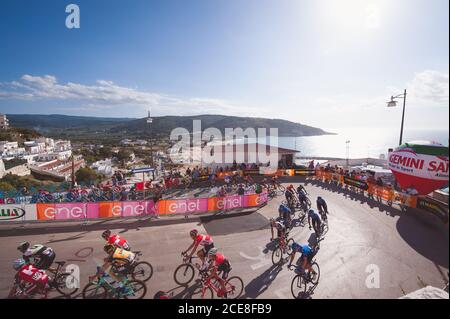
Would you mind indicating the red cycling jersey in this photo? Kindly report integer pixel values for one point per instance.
(33, 275)
(219, 260)
(118, 241)
(203, 240)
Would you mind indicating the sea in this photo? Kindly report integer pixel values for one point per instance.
(362, 142)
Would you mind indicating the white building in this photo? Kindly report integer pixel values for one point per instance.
(9, 148)
(61, 146)
(104, 167)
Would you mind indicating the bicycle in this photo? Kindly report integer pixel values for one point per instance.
(59, 281)
(139, 270)
(233, 287)
(100, 288)
(185, 272)
(300, 282)
(323, 214)
(283, 247)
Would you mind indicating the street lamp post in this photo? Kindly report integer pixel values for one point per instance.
(393, 103)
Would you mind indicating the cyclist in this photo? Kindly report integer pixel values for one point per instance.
(290, 193)
(322, 206)
(40, 256)
(285, 213)
(306, 257)
(198, 239)
(277, 223)
(314, 219)
(115, 240)
(35, 280)
(275, 181)
(219, 264)
(301, 193)
(119, 259)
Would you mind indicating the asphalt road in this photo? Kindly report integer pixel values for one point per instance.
(364, 237)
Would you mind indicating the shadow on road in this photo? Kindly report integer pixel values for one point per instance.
(419, 229)
(261, 283)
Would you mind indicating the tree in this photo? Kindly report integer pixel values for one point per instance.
(86, 175)
(123, 156)
(105, 152)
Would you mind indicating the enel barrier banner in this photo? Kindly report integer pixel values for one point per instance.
(79, 211)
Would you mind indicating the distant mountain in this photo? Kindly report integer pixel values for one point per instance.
(43, 123)
(85, 128)
(165, 124)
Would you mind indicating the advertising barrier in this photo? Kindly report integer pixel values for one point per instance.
(81, 211)
(388, 194)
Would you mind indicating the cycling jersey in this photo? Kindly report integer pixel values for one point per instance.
(285, 212)
(203, 240)
(321, 203)
(306, 250)
(222, 265)
(118, 241)
(40, 256)
(314, 215)
(220, 259)
(288, 194)
(33, 275)
(122, 256)
(301, 190)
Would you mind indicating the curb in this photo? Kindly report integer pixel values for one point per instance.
(46, 227)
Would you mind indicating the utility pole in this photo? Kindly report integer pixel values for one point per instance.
(347, 152)
(150, 122)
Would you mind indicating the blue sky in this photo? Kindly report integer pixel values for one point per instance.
(325, 63)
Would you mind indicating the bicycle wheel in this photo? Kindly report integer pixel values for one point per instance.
(234, 287)
(184, 274)
(66, 284)
(277, 256)
(135, 289)
(281, 188)
(315, 278)
(297, 287)
(202, 293)
(142, 271)
(94, 291)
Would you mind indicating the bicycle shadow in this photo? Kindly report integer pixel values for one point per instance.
(260, 284)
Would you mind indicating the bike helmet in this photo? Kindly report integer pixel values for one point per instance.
(212, 252)
(311, 211)
(23, 247)
(319, 198)
(108, 248)
(193, 232)
(18, 263)
(290, 186)
(106, 234)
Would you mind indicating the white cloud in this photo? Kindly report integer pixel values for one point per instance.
(430, 87)
(106, 94)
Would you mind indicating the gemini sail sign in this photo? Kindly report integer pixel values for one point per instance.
(422, 166)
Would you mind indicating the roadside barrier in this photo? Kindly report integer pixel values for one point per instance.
(86, 211)
(387, 194)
